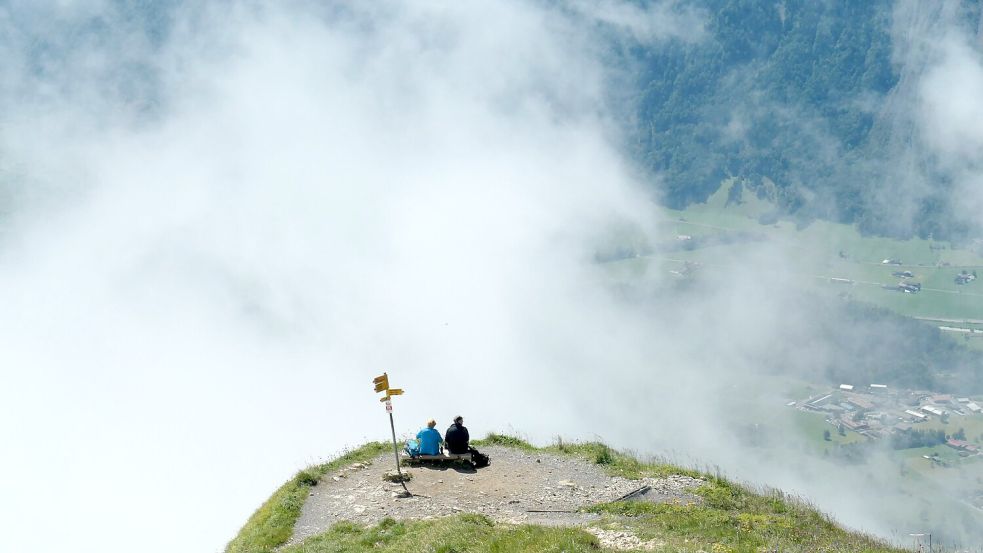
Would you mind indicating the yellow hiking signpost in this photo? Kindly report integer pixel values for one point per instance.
(381, 384)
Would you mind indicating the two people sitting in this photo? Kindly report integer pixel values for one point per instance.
(456, 438)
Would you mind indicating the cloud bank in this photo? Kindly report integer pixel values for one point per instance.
(220, 222)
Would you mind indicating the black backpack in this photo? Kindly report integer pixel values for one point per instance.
(479, 459)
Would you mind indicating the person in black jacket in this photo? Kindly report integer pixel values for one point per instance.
(456, 438)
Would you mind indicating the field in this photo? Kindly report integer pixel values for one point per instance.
(813, 425)
(821, 251)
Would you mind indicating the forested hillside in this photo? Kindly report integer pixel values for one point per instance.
(790, 97)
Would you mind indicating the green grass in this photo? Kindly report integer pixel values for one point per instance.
(504, 440)
(812, 425)
(465, 533)
(816, 249)
(729, 518)
(618, 463)
(273, 523)
(972, 425)
(735, 519)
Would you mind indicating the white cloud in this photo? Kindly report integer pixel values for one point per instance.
(204, 269)
(951, 107)
(646, 23)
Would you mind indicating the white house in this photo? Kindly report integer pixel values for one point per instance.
(916, 415)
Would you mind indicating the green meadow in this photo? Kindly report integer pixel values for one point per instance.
(722, 233)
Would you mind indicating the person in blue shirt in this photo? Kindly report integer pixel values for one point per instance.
(430, 440)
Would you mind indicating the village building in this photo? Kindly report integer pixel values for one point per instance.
(818, 403)
(942, 399)
(965, 278)
(962, 445)
(860, 402)
(909, 287)
(916, 416)
(933, 410)
(856, 426)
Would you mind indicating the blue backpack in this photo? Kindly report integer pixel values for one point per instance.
(412, 447)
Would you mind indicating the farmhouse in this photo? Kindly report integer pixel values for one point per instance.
(965, 278)
(961, 445)
(819, 402)
(860, 402)
(855, 426)
(909, 287)
(915, 415)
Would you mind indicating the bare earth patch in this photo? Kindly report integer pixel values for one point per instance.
(518, 487)
(622, 539)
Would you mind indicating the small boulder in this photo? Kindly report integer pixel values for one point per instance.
(397, 477)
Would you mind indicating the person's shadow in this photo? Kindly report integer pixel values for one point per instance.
(463, 467)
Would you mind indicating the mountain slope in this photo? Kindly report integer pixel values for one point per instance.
(812, 104)
(723, 517)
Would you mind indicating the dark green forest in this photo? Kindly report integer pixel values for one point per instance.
(786, 97)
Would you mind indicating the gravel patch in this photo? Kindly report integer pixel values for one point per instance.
(617, 539)
(519, 487)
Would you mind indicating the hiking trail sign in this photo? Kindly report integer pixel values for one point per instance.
(381, 384)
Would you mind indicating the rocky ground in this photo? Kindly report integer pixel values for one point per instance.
(518, 487)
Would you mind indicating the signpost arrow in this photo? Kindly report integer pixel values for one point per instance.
(381, 384)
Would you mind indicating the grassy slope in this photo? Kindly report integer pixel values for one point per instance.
(732, 519)
(272, 524)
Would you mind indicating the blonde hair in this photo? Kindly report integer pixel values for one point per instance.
(431, 423)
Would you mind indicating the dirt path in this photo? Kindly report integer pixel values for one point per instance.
(511, 490)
